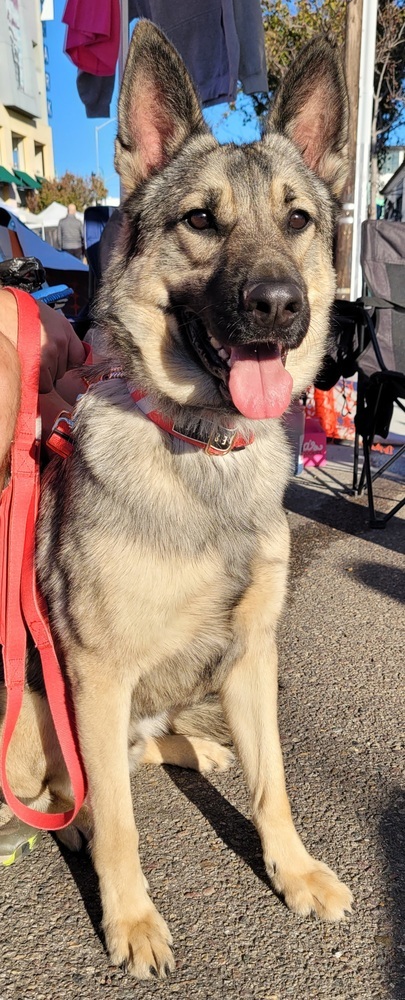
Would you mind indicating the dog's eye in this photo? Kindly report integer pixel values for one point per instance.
(298, 220)
(200, 219)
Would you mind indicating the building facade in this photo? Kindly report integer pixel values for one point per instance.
(26, 150)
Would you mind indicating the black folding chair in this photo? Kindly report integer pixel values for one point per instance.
(380, 318)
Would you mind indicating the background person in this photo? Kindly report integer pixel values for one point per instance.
(70, 233)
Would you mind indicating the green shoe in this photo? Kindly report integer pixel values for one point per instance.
(16, 839)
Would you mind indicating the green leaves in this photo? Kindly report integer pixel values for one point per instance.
(288, 25)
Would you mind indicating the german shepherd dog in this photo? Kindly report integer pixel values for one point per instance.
(162, 543)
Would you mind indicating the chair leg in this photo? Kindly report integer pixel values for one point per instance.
(367, 471)
(366, 475)
(379, 522)
(358, 485)
(390, 461)
(356, 462)
(362, 479)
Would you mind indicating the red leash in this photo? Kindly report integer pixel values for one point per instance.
(21, 606)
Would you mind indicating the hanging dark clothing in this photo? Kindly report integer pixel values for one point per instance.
(221, 42)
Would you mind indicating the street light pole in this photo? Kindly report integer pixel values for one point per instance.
(96, 131)
(124, 39)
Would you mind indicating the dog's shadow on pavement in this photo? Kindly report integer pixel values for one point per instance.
(236, 832)
(86, 881)
(240, 836)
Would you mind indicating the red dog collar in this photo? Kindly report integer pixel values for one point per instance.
(219, 442)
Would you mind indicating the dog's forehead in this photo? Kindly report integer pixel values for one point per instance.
(231, 178)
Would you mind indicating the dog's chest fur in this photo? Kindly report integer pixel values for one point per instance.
(152, 548)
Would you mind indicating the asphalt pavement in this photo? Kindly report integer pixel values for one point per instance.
(342, 725)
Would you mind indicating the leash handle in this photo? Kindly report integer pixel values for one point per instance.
(22, 607)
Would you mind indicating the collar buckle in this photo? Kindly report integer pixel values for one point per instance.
(220, 441)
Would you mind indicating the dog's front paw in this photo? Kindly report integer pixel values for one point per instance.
(315, 889)
(142, 945)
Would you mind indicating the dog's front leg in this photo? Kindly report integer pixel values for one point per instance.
(249, 698)
(136, 934)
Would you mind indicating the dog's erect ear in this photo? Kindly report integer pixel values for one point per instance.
(311, 108)
(158, 107)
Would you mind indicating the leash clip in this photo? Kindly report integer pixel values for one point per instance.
(60, 439)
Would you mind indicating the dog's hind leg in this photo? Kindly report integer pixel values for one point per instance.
(249, 698)
(77, 833)
(195, 752)
(136, 934)
(37, 771)
(195, 739)
(205, 719)
(35, 765)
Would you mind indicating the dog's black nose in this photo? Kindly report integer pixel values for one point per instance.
(273, 303)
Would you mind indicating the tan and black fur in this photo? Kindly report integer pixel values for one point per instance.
(165, 568)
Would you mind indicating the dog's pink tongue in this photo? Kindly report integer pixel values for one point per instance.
(259, 385)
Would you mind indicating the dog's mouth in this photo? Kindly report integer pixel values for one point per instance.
(252, 376)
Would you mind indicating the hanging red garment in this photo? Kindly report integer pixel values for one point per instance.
(93, 35)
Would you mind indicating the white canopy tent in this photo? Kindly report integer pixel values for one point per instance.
(52, 215)
(23, 214)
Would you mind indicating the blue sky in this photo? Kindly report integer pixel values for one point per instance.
(74, 135)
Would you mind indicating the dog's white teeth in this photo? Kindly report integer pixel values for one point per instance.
(221, 351)
(215, 343)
